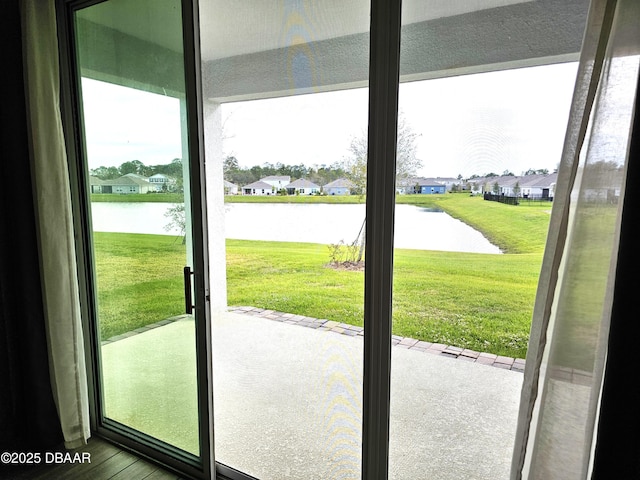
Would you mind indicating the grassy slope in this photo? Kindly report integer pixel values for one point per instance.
(521, 229)
(478, 301)
(482, 302)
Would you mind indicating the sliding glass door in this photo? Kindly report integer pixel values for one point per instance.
(310, 121)
(285, 83)
(144, 226)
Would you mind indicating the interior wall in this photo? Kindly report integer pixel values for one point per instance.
(28, 417)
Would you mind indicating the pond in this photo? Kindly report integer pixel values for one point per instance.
(416, 227)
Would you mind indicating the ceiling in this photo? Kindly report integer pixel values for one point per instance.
(236, 27)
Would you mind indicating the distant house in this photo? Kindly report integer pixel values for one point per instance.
(538, 186)
(230, 188)
(302, 187)
(507, 185)
(129, 183)
(542, 187)
(341, 186)
(448, 182)
(160, 182)
(277, 181)
(424, 186)
(258, 188)
(487, 184)
(96, 185)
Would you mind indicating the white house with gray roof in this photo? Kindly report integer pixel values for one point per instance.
(258, 188)
(129, 183)
(526, 186)
(302, 186)
(96, 184)
(161, 182)
(341, 186)
(277, 181)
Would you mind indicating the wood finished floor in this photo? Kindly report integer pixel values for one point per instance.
(108, 462)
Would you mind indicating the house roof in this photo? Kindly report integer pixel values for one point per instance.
(276, 178)
(423, 182)
(135, 176)
(96, 181)
(340, 183)
(229, 184)
(546, 180)
(129, 179)
(503, 180)
(259, 184)
(536, 180)
(302, 183)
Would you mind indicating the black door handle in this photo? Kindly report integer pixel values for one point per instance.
(188, 301)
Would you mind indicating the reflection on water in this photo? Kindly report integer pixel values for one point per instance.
(416, 227)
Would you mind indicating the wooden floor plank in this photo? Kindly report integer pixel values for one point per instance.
(104, 470)
(139, 469)
(162, 475)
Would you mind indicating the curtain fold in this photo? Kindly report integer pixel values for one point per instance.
(54, 221)
(567, 348)
(28, 417)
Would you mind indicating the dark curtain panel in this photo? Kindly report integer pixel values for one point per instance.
(28, 418)
(618, 440)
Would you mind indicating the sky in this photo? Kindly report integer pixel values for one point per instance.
(474, 124)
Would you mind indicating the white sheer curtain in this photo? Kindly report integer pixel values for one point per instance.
(567, 348)
(55, 228)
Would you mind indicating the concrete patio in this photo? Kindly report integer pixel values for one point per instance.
(288, 399)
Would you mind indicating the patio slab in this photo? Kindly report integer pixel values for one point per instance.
(288, 402)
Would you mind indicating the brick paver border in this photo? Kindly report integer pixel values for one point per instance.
(507, 363)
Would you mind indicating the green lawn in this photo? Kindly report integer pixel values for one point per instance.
(478, 301)
(138, 197)
(139, 280)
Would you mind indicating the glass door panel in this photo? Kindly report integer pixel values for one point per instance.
(140, 176)
(477, 155)
(285, 133)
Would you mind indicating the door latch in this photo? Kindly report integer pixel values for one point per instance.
(188, 300)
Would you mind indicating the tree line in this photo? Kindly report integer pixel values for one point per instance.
(172, 169)
(318, 174)
(353, 168)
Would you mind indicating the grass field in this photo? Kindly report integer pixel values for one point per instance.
(138, 197)
(478, 301)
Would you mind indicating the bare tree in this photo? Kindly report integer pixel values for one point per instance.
(355, 167)
(407, 163)
(177, 220)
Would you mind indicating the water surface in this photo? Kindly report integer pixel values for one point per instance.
(416, 227)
